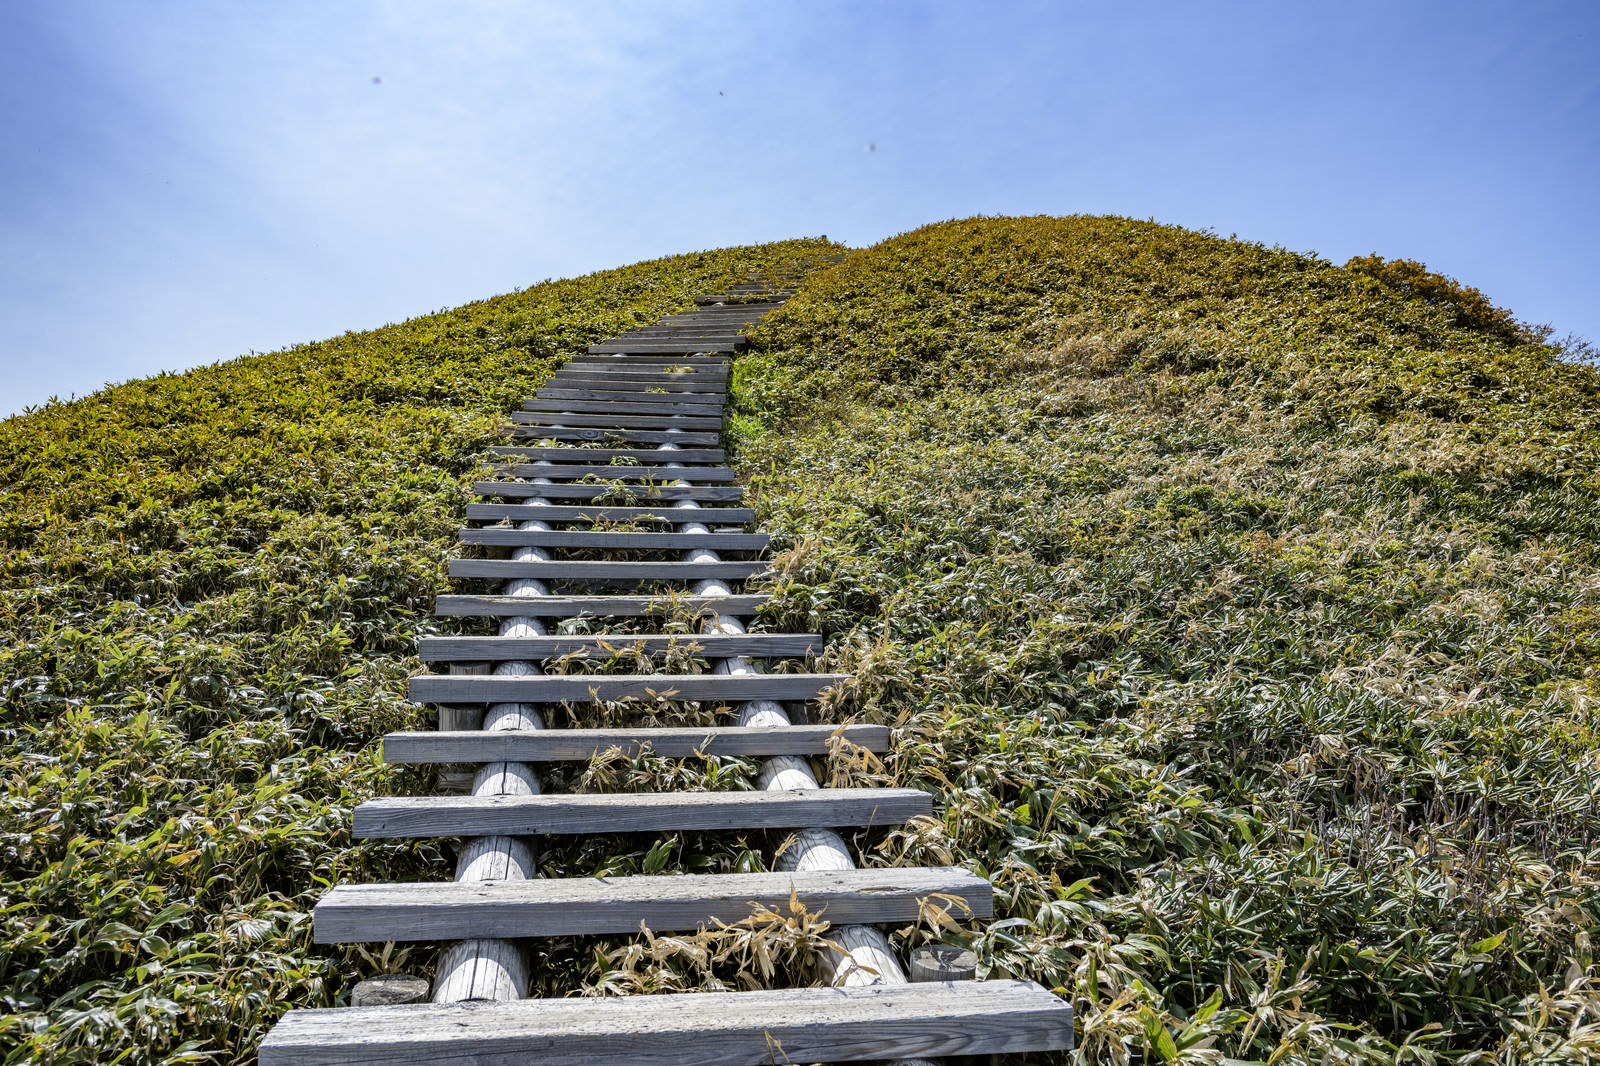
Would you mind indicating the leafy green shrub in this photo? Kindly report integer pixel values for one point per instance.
(1469, 308)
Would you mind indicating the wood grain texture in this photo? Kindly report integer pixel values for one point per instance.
(476, 816)
(534, 649)
(693, 402)
(687, 347)
(652, 362)
(583, 538)
(580, 688)
(674, 742)
(590, 455)
(537, 418)
(625, 436)
(689, 390)
(686, 1029)
(555, 512)
(632, 407)
(524, 489)
(595, 606)
(601, 571)
(578, 906)
(660, 374)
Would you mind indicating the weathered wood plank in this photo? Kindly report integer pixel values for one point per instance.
(624, 421)
(606, 570)
(651, 362)
(595, 606)
(571, 472)
(584, 906)
(591, 491)
(636, 812)
(651, 346)
(636, 436)
(555, 512)
(652, 407)
(699, 402)
(681, 331)
(583, 538)
(648, 367)
(607, 385)
(581, 745)
(581, 688)
(585, 455)
(686, 1029)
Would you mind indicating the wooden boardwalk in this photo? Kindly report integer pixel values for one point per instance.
(630, 433)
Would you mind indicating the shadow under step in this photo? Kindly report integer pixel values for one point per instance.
(596, 606)
(527, 489)
(601, 573)
(586, 688)
(433, 747)
(584, 538)
(610, 645)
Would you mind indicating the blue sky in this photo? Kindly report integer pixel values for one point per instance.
(183, 183)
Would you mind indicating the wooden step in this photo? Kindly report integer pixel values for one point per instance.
(652, 346)
(710, 400)
(583, 538)
(622, 421)
(581, 745)
(686, 1028)
(606, 570)
(654, 408)
(554, 512)
(602, 388)
(588, 455)
(626, 436)
(570, 472)
(637, 812)
(583, 688)
(590, 491)
(635, 380)
(742, 606)
(587, 906)
(682, 367)
(649, 363)
(681, 331)
(716, 314)
(737, 299)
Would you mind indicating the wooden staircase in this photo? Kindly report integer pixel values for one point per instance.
(629, 433)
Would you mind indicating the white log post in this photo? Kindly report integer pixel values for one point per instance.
(498, 969)
(868, 957)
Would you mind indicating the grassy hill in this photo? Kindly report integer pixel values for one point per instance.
(1243, 608)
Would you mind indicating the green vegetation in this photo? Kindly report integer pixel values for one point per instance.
(211, 585)
(1244, 610)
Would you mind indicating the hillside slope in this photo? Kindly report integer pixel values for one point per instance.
(1244, 609)
(211, 585)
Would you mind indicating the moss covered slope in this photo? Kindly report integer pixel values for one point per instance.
(1245, 608)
